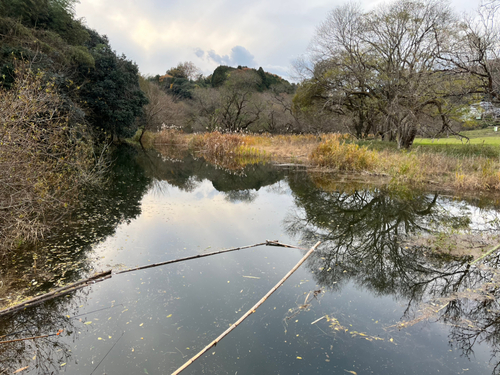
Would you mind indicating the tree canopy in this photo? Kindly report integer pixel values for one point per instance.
(392, 71)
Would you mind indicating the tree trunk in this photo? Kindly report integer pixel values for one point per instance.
(406, 135)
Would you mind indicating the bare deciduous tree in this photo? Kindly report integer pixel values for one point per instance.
(382, 69)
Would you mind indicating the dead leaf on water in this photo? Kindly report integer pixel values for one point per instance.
(19, 370)
(351, 372)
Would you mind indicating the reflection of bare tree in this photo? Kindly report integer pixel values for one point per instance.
(44, 355)
(241, 196)
(363, 234)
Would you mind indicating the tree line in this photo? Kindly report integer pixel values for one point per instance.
(231, 99)
(404, 68)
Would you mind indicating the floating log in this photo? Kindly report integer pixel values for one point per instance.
(58, 292)
(107, 274)
(194, 257)
(248, 313)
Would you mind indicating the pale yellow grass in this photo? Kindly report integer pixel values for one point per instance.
(334, 152)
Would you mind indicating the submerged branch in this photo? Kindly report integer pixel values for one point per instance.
(107, 274)
(248, 313)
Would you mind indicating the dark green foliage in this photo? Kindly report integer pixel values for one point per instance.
(55, 15)
(220, 75)
(268, 80)
(111, 91)
(263, 80)
(87, 71)
(181, 88)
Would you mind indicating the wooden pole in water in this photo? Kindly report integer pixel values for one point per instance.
(194, 257)
(58, 292)
(107, 274)
(267, 243)
(248, 313)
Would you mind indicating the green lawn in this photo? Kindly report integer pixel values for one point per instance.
(477, 137)
(483, 142)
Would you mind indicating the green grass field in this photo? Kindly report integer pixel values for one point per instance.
(483, 142)
(477, 137)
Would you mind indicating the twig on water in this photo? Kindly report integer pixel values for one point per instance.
(107, 353)
(32, 338)
(248, 313)
(485, 255)
(107, 274)
(58, 292)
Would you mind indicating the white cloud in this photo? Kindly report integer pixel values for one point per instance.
(158, 35)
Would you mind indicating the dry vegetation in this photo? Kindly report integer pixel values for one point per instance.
(339, 153)
(43, 159)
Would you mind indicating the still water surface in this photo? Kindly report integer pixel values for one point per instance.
(340, 313)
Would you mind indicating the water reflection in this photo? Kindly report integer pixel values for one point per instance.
(364, 232)
(65, 255)
(188, 173)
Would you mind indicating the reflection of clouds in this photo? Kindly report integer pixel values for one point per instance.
(203, 217)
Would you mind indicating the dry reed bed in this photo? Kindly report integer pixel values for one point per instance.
(337, 152)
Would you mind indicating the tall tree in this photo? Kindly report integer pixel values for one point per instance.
(381, 69)
(111, 91)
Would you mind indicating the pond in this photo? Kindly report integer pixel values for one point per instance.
(372, 299)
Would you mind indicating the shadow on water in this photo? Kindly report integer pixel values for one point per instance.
(363, 231)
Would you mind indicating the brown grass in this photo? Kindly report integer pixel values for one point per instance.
(335, 152)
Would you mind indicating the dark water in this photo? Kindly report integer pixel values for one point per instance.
(366, 278)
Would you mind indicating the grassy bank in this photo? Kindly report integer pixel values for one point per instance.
(451, 166)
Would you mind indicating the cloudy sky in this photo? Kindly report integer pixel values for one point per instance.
(158, 34)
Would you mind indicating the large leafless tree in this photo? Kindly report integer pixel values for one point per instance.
(384, 70)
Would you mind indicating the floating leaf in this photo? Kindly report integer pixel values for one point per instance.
(19, 370)
(351, 372)
(299, 357)
(168, 316)
(89, 322)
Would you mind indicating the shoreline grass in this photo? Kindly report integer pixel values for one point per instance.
(453, 167)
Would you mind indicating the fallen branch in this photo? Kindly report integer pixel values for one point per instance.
(267, 243)
(58, 292)
(32, 338)
(485, 255)
(107, 274)
(248, 313)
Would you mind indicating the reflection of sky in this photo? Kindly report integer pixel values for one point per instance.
(183, 222)
(182, 307)
(168, 313)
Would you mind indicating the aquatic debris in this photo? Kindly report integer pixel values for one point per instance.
(248, 313)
